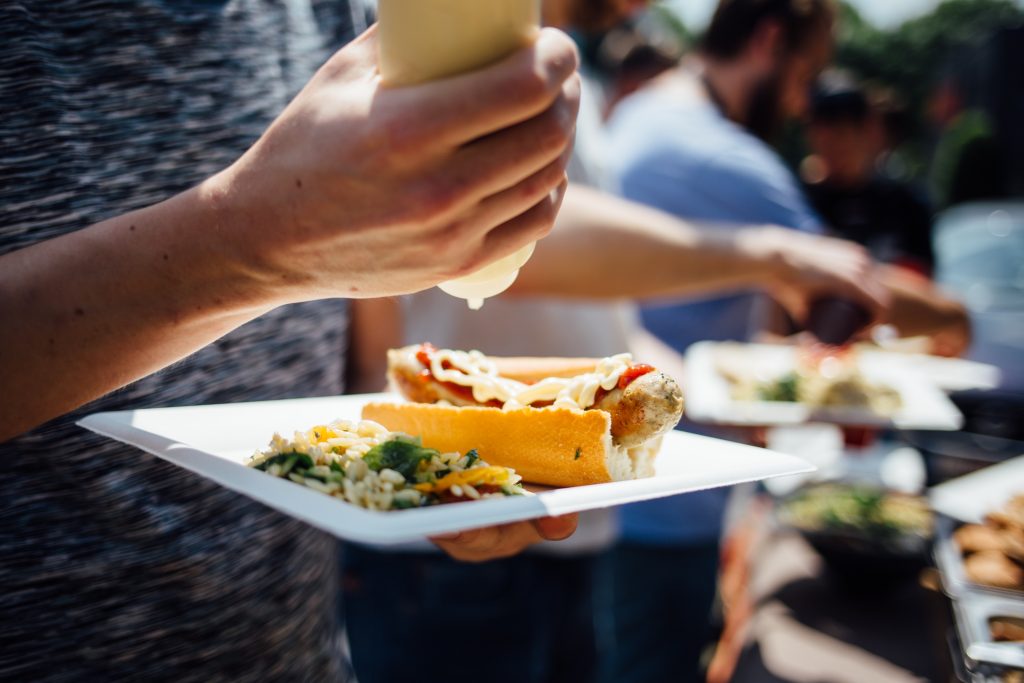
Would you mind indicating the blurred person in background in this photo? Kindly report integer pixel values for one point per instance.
(695, 143)
(846, 134)
(162, 222)
(897, 124)
(539, 605)
(633, 53)
(969, 163)
(849, 134)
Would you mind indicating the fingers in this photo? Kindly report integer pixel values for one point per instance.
(556, 528)
(501, 160)
(861, 285)
(824, 264)
(456, 110)
(483, 237)
(506, 205)
(491, 543)
(529, 226)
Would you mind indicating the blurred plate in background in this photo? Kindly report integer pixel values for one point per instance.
(709, 396)
(971, 497)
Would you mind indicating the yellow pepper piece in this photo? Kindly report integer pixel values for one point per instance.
(478, 476)
(321, 433)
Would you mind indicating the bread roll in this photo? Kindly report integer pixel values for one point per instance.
(553, 447)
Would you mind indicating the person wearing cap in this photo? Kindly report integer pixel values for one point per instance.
(846, 136)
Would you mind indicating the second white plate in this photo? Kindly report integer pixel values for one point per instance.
(709, 394)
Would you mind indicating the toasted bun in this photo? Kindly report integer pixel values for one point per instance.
(554, 447)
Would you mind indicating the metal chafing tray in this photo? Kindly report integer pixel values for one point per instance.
(974, 605)
(949, 560)
(983, 654)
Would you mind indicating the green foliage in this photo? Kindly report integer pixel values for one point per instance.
(907, 58)
(671, 21)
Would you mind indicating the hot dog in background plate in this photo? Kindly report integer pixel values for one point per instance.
(556, 421)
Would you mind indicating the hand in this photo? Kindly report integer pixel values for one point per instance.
(807, 266)
(951, 342)
(358, 190)
(492, 543)
(919, 308)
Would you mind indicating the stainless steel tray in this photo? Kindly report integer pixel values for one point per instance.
(973, 613)
(949, 560)
(973, 606)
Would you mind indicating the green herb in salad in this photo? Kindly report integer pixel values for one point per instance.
(401, 455)
(783, 389)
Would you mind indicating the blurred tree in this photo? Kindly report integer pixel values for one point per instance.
(907, 57)
(673, 22)
(910, 59)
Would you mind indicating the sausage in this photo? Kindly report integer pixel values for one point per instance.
(649, 406)
(410, 383)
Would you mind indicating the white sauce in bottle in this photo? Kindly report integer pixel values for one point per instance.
(422, 40)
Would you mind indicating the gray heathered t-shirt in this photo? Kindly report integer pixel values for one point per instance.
(114, 565)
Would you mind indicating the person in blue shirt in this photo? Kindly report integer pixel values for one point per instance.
(694, 143)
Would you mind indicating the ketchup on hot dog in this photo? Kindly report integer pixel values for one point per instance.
(633, 373)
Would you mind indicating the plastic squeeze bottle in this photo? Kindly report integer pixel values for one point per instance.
(422, 40)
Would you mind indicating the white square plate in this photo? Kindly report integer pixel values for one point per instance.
(970, 497)
(709, 394)
(215, 441)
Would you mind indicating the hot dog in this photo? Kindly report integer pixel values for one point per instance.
(562, 421)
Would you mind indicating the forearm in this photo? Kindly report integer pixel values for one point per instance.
(93, 310)
(605, 247)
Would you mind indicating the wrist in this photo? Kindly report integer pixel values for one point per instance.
(234, 229)
(763, 254)
(193, 252)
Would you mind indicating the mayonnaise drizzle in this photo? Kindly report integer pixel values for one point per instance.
(473, 369)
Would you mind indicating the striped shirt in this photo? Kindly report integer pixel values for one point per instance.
(114, 565)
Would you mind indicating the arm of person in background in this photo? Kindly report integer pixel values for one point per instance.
(919, 308)
(355, 190)
(604, 247)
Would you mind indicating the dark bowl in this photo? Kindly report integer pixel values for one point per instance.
(863, 562)
(860, 554)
